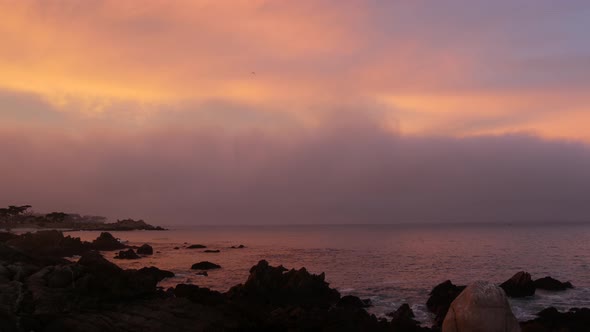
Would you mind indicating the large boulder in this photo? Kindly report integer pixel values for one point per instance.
(520, 285)
(440, 299)
(107, 242)
(481, 307)
(145, 249)
(205, 265)
(548, 283)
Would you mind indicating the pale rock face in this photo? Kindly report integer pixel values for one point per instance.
(481, 307)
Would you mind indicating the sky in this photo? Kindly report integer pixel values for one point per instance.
(272, 112)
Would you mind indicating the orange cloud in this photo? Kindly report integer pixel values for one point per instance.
(427, 72)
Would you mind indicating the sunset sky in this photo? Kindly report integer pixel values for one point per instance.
(307, 111)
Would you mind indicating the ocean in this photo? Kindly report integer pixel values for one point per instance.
(390, 264)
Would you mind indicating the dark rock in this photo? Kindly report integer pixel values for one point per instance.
(548, 283)
(145, 249)
(199, 295)
(205, 266)
(353, 301)
(196, 246)
(95, 263)
(62, 276)
(127, 254)
(520, 285)
(5, 236)
(403, 319)
(211, 251)
(49, 243)
(550, 319)
(158, 274)
(107, 242)
(176, 248)
(441, 297)
(277, 286)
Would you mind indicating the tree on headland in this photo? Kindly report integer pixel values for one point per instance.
(57, 216)
(13, 210)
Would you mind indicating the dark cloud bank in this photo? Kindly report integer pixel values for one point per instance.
(349, 172)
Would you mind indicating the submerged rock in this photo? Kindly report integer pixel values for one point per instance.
(548, 283)
(482, 307)
(440, 299)
(211, 251)
(205, 265)
(520, 285)
(145, 249)
(196, 246)
(127, 254)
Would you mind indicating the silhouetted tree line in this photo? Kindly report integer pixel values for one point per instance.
(23, 214)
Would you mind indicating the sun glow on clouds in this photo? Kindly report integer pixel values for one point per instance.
(429, 70)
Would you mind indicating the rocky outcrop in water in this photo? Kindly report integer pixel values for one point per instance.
(205, 265)
(440, 299)
(548, 283)
(127, 254)
(520, 285)
(482, 307)
(106, 241)
(145, 249)
(196, 246)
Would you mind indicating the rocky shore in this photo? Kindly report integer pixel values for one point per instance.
(40, 290)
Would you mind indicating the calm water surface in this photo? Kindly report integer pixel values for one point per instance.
(391, 264)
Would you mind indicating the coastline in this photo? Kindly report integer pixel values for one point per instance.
(287, 299)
